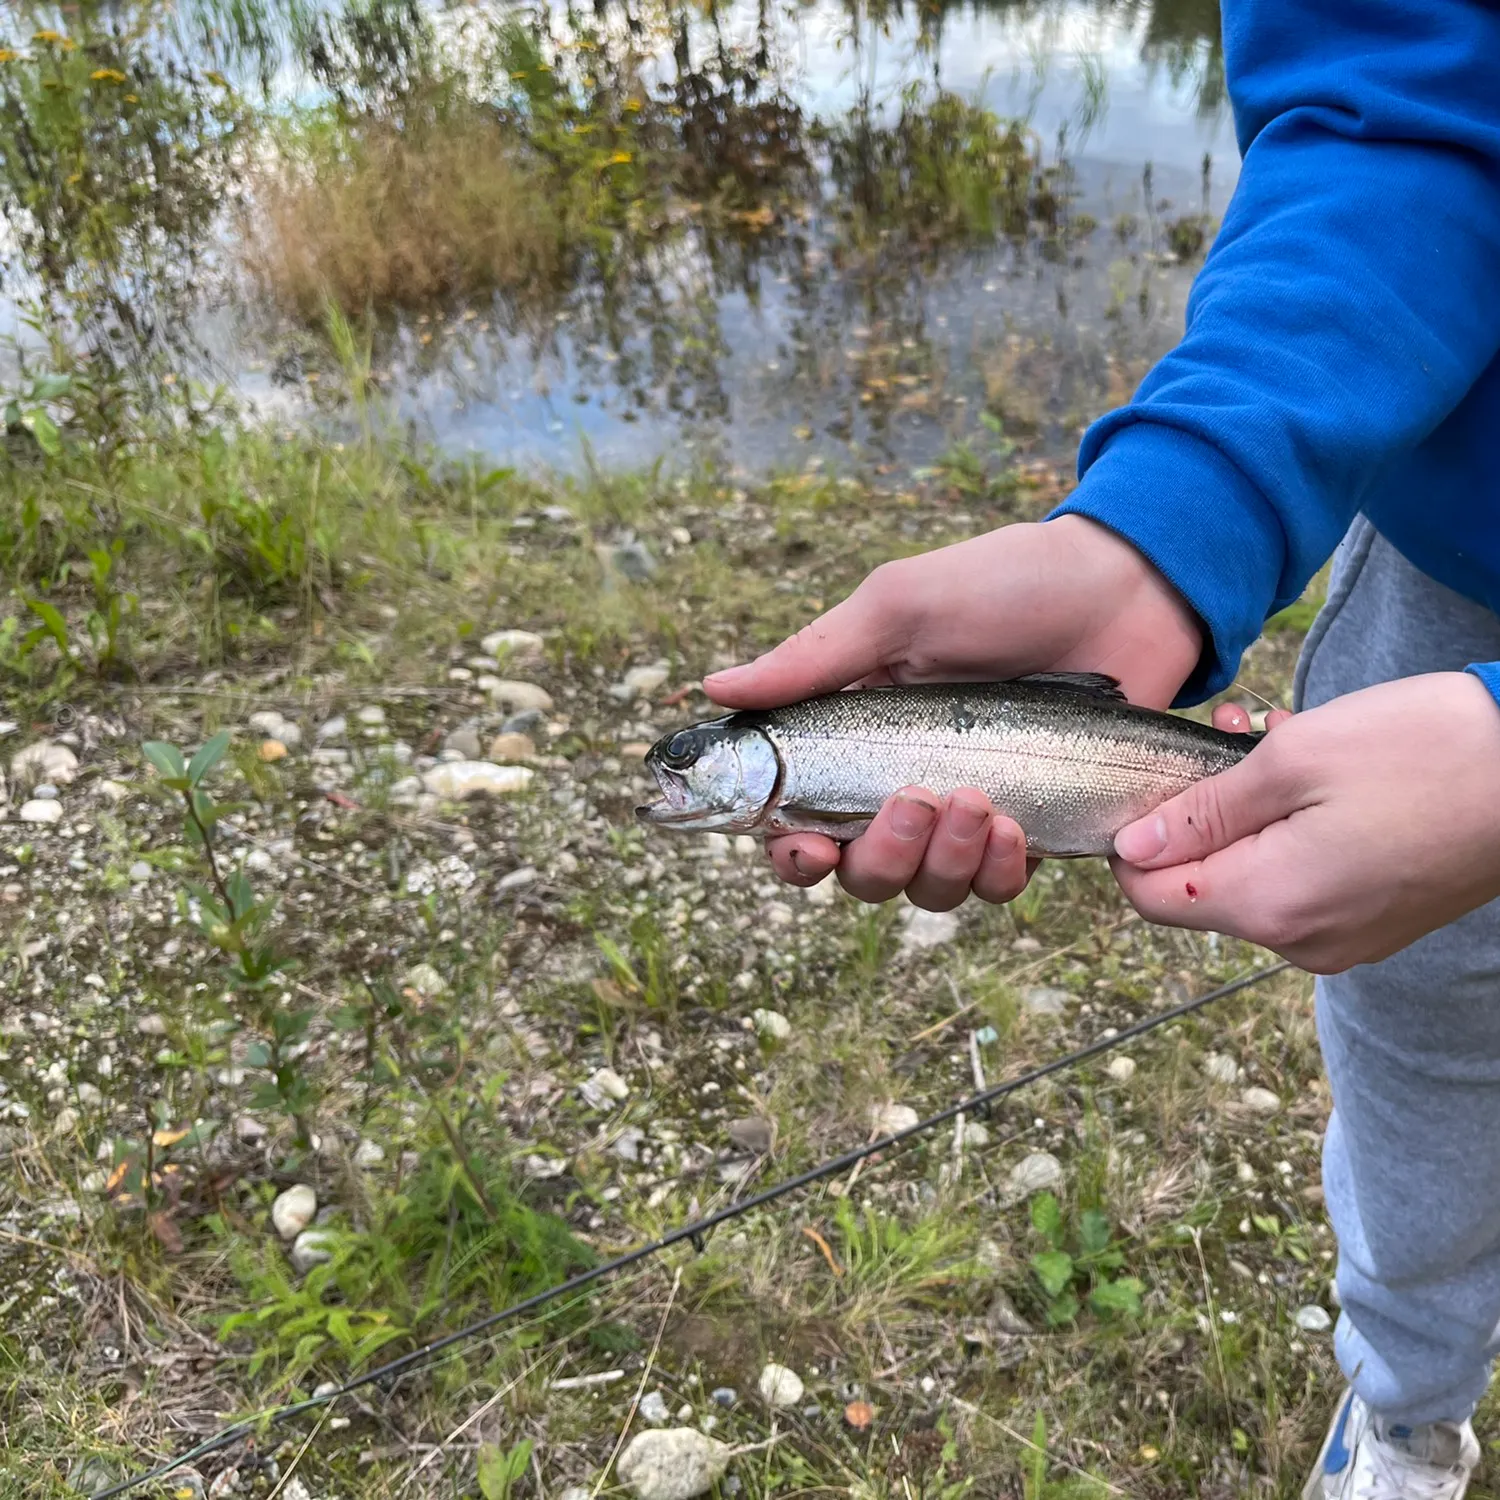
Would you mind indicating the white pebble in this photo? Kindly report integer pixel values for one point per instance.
(456, 780)
(1312, 1318)
(780, 1386)
(292, 1211)
(1262, 1101)
(1122, 1069)
(39, 811)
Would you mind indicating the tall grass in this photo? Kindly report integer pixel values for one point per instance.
(371, 214)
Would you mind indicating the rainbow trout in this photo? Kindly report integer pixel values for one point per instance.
(1063, 753)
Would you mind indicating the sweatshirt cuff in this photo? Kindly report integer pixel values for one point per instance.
(1193, 514)
(1488, 672)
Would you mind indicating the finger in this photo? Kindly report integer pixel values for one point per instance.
(802, 858)
(887, 855)
(1231, 718)
(850, 641)
(1211, 814)
(954, 852)
(1277, 716)
(1232, 891)
(1004, 871)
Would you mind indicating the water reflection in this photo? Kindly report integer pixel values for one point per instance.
(754, 232)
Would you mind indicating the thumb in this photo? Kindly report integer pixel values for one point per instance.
(1210, 815)
(846, 644)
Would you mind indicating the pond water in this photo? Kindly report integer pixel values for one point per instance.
(791, 349)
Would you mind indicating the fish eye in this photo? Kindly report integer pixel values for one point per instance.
(681, 750)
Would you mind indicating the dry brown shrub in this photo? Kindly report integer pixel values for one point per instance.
(389, 219)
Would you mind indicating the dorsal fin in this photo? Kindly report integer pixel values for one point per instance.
(1093, 684)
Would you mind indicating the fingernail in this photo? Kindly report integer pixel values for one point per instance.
(726, 673)
(965, 819)
(911, 818)
(1002, 842)
(1142, 840)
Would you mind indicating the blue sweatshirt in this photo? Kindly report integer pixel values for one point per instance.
(1342, 349)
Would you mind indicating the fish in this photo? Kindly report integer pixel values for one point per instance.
(1063, 753)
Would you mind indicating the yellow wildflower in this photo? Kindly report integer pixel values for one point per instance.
(633, 105)
(107, 75)
(46, 36)
(132, 98)
(75, 177)
(7, 54)
(526, 73)
(619, 158)
(584, 129)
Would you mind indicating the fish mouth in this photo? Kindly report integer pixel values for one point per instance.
(662, 814)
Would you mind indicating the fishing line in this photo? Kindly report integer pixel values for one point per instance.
(696, 1232)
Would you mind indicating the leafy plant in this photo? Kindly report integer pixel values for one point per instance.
(227, 913)
(1071, 1265)
(26, 411)
(1035, 1485)
(500, 1468)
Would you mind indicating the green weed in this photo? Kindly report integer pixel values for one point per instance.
(1080, 1263)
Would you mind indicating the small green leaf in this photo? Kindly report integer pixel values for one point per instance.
(210, 753)
(1122, 1296)
(1062, 1309)
(166, 758)
(51, 387)
(44, 430)
(1054, 1269)
(52, 622)
(1093, 1231)
(1046, 1218)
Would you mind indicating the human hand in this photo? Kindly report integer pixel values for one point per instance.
(1351, 831)
(1061, 595)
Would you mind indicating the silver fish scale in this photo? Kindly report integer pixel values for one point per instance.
(1072, 768)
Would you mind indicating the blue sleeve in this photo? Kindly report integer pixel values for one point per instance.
(1350, 300)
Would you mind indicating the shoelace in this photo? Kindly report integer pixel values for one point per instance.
(1395, 1475)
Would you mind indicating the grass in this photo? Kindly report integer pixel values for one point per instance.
(913, 1285)
(376, 215)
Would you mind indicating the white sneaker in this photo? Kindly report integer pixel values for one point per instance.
(1364, 1459)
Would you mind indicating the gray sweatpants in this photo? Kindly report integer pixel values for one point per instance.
(1411, 1163)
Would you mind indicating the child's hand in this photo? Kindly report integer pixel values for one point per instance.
(1352, 830)
(1064, 595)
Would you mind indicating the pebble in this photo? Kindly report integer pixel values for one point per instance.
(140, 871)
(65, 1122)
(1221, 1068)
(674, 1463)
(605, 1085)
(887, 1119)
(653, 1409)
(520, 723)
(633, 558)
(112, 791)
(1122, 1069)
(724, 1395)
(1036, 1173)
(470, 778)
(271, 751)
(463, 742)
(425, 980)
(628, 1145)
(151, 1024)
(226, 1483)
(1262, 1101)
(513, 748)
(368, 1154)
(333, 729)
(927, 929)
(1041, 1000)
(293, 1210)
(771, 1024)
(522, 644)
(39, 811)
(45, 761)
(641, 682)
(780, 1386)
(1312, 1318)
(371, 714)
(249, 1130)
(756, 1134)
(976, 1134)
(311, 1248)
(577, 1492)
(516, 695)
(46, 792)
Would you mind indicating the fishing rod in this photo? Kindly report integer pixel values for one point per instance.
(695, 1232)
